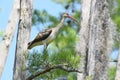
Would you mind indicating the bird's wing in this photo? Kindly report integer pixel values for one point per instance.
(42, 35)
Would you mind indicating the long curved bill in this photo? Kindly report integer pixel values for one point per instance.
(72, 18)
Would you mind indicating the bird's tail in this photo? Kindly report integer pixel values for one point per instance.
(29, 45)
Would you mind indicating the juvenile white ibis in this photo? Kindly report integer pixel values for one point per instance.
(46, 36)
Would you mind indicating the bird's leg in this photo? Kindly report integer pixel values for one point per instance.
(45, 47)
(45, 54)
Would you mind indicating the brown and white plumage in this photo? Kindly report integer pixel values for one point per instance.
(39, 38)
(46, 36)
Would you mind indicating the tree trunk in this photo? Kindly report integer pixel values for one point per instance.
(8, 34)
(117, 77)
(22, 39)
(81, 47)
(100, 39)
(95, 40)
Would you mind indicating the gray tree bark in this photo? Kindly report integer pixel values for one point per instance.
(95, 40)
(24, 27)
(100, 39)
(8, 34)
(117, 76)
(82, 45)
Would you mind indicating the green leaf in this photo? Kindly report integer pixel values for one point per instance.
(1, 33)
(111, 73)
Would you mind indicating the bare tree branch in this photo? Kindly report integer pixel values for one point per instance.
(113, 61)
(49, 68)
(8, 34)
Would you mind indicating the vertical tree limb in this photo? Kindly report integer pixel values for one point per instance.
(82, 45)
(8, 34)
(100, 39)
(24, 27)
(95, 39)
(117, 76)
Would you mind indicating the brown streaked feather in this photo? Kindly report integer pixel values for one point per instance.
(42, 35)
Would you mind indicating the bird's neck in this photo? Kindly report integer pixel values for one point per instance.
(60, 24)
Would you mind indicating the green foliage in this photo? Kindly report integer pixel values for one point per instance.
(1, 33)
(62, 1)
(39, 17)
(66, 1)
(42, 17)
(89, 78)
(116, 14)
(111, 73)
(61, 51)
(39, 61)
(72, 76)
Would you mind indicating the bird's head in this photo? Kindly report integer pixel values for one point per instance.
(66, 15)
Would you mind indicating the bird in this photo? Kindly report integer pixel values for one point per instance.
(48, 35)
